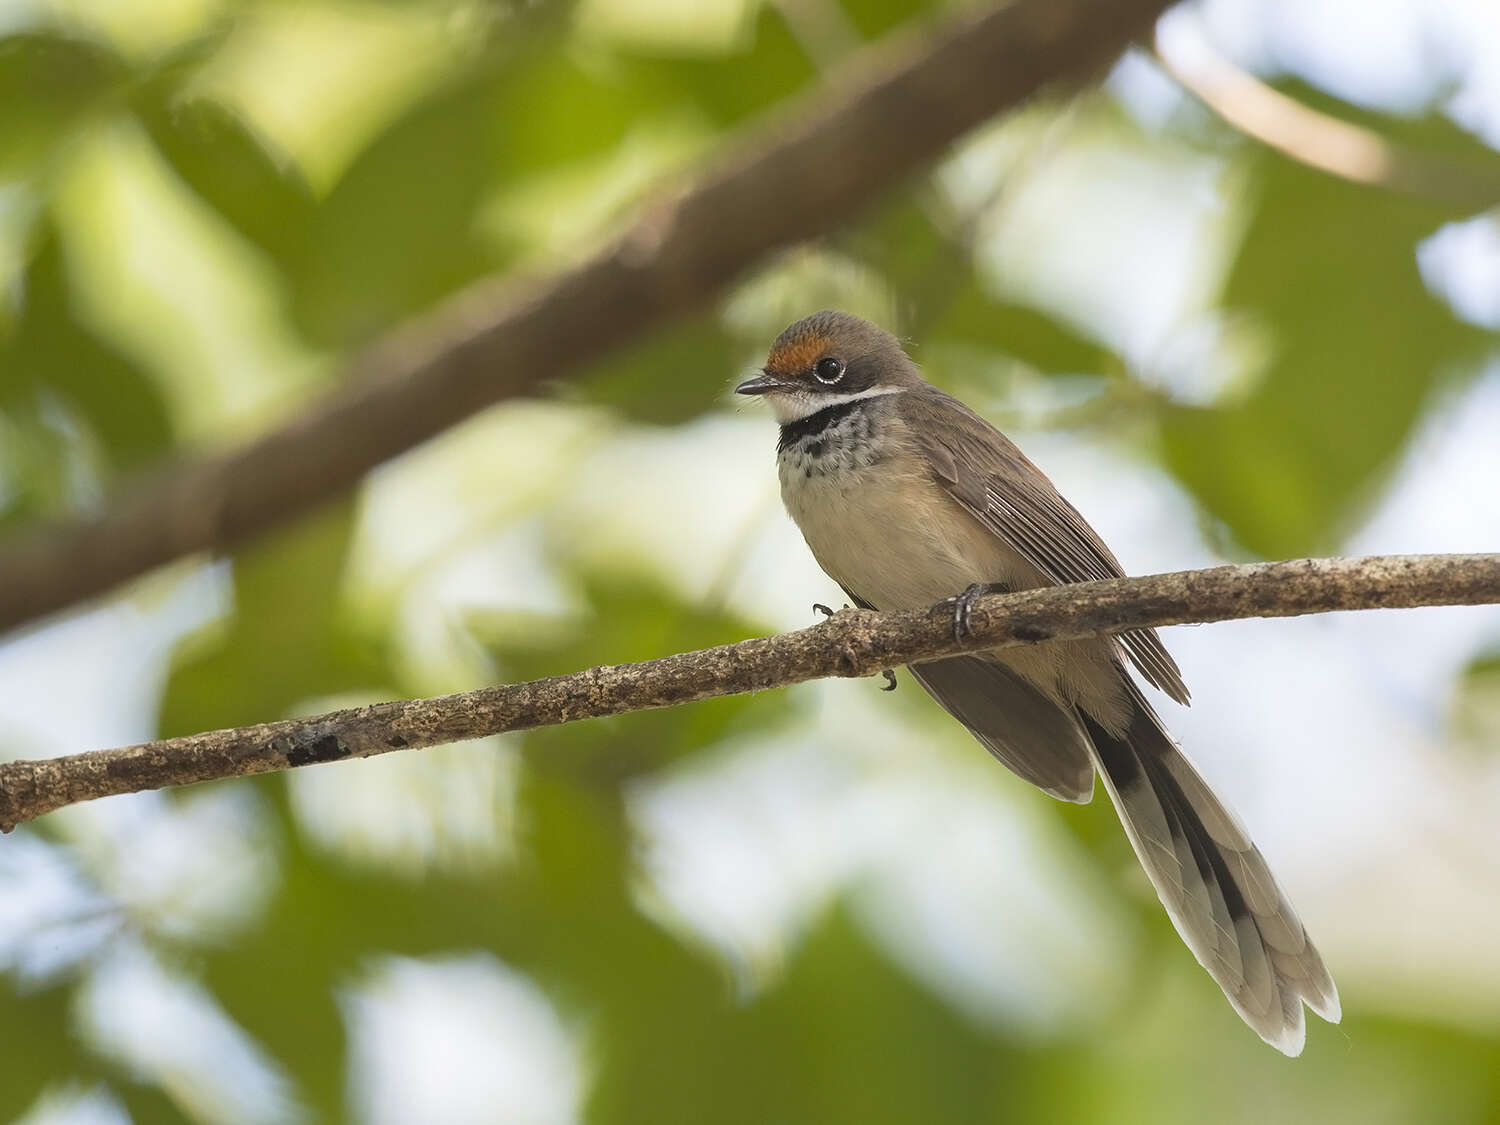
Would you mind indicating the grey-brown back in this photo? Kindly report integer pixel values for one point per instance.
(999, 486)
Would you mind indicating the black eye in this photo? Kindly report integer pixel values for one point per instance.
(829, 370)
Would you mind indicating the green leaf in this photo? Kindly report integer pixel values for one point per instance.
(728, 88)
(37, 481)
(875, 18)
(900, 242)
(36, 1041)
(651, 1002)
(398, 230)
(870, 1044)
(844, 1036)
(320, 930)
(287, 641)
(1476, 703)
(676, 375)
(1034, 337)
(626, 621)
(53, 352)
(588, 109)
(48, 81)
(945, 303)
(234, 170)
(1328, 271)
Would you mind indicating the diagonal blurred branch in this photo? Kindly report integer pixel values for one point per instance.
(892, 109)
(1316, 139)
(853, 643)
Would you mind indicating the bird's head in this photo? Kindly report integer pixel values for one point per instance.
(827, 359)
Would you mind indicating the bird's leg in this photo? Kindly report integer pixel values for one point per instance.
(963, 606)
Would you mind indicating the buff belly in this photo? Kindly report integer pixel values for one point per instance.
(894, 538)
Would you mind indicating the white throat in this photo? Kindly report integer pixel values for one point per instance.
(794, 405)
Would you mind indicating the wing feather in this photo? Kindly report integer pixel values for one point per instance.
(995, 483)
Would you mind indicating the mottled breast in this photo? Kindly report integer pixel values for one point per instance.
(875, 518)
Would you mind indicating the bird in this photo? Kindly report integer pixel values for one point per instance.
(908, 499)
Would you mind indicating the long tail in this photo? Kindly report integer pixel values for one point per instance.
(1213, 881)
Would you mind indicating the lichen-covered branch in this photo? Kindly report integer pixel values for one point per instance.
(852, 643)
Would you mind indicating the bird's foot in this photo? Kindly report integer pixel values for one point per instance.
(963, 608)
(819, 607)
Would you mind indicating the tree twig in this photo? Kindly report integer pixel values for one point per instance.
(1313, 138)
(893, 108)
(852, 643)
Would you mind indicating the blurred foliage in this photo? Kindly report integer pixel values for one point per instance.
(529, 103)
(1358, 348)
(284, 643)
(235, 171)
(47, 82)
(632, 384)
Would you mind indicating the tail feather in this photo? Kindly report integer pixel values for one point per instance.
(1213, 881)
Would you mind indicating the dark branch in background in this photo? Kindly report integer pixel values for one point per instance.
(1317, 139)
(854, 643)
(894, 108)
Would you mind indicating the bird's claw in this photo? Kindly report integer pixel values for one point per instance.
(819, 607)
(963, 609)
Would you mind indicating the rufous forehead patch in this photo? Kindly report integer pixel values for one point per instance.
(798, 355)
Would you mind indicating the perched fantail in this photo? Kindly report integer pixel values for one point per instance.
(908, 497)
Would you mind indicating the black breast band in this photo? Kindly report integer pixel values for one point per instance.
(814, 424)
